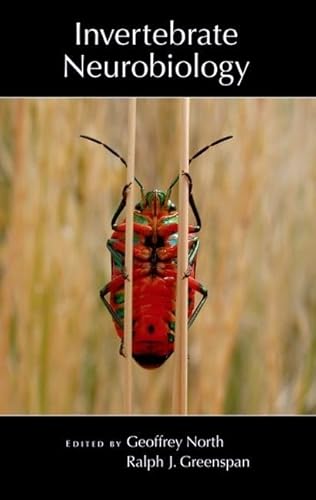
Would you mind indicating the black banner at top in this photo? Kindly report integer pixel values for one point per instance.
(117, 56)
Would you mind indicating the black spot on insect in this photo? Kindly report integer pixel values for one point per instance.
(151, 328)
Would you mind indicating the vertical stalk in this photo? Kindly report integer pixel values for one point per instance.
(180, 400)
(128, 314)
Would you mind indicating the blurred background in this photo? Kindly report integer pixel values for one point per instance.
(253, 346)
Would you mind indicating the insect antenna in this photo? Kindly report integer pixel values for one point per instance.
(115, 154)
(198, 153)
(201, 151)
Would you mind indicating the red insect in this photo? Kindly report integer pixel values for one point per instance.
(154, 270)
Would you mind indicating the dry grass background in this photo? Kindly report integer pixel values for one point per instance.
(253, 347)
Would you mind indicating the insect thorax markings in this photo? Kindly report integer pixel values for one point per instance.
(156, 209)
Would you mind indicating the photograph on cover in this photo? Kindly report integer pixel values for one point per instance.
(252, 345)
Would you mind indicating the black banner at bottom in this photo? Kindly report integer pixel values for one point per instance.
(219, 447)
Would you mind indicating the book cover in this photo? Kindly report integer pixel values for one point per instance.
(246, 370)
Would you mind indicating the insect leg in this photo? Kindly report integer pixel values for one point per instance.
(197, 287)
(192, 256)
(193, 251)
(194, 286)
(112, 286)
(116, 283)
(118, 257)
(195, 211)
(121, 206)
